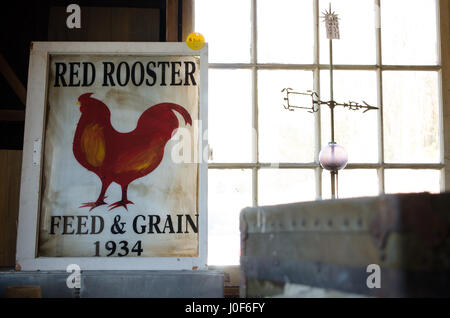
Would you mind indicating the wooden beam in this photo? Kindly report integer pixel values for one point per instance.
(12, 115)
(13, 80)
(187, 18)
(171, 20)
(444, 17)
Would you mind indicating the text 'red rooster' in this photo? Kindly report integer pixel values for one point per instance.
(122, 157)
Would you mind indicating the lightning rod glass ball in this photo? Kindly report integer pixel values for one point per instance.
(333, 157)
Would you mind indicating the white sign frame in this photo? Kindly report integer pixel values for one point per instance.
(28, 226)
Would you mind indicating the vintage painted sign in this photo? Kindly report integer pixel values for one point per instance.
(121, 178)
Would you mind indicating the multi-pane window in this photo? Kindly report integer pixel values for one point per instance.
(388, 56)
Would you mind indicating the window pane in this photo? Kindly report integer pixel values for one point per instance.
(284, 136)
(226, 27)
(285, 31)
(230, 115)
(411, 117)
(277, 186)
(352, 183)
(409, 32)
(356, 131)
(229, 191)
(406, 180)
(357, 43)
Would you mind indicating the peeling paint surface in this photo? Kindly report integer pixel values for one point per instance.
(167, 192)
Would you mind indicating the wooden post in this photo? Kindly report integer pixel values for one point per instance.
(187, 18)
(171, 20)
(444, 25)
(10, 172)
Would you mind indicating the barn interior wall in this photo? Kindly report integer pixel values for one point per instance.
(137, 20)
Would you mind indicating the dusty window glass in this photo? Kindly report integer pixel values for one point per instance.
(356, 45)
(409, 32)
(352, 183)
(284, 136)
(285, 31)
(409, 180)
(276, 186)
(411, 117)
(230, 115)
(356, 131)
(226, 27)
(229, 191)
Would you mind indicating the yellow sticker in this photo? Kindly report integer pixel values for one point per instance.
(195, 41)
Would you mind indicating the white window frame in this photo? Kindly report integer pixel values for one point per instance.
(316, 67)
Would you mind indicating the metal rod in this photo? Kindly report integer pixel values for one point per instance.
(379, 71)
(255, 131)
(331, 91)
(337, 185)
(334, 172)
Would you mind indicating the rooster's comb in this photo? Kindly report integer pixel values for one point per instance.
(85, 95)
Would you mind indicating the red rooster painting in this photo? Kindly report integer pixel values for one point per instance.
(122, 157)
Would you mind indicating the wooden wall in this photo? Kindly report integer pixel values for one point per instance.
(107, 24)
(10, 167)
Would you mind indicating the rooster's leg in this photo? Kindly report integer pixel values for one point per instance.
(122, 202)
(100, 200)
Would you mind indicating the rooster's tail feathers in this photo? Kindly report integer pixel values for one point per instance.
(164, 109)
(182, 111)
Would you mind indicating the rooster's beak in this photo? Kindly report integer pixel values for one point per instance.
(78, 103)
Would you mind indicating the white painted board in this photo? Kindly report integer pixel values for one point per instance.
(138, 130)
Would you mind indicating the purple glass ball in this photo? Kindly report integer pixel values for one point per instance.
(333, 157)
